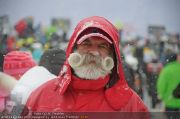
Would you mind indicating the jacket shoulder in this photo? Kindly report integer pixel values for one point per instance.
(125, 99)
(135, 104)
(40, 94)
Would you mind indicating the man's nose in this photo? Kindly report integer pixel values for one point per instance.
(95, 53)
(94, 50)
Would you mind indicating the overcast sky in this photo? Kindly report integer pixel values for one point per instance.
(136, 13)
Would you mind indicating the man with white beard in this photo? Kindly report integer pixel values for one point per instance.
(92, 77)
(92, 59)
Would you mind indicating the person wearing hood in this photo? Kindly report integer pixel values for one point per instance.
(16, 63)
(92, 78)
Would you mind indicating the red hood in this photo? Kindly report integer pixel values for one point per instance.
(121, 85)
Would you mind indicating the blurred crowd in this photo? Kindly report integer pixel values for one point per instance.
(26, 36)
(143, 57)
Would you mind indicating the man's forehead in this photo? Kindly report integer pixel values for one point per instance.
(96, 39)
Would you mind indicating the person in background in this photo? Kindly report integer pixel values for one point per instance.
(52, 60)
(37, 51)
(16, 63)
(91, 78)
(20, 65)
(167, 87)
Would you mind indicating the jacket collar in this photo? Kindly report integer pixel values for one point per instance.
(83, 84)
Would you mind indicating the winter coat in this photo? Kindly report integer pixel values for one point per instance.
(28, 82)
(167, 82)
(69, 93)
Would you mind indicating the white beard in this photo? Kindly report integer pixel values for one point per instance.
(84, 69)
(90, 72)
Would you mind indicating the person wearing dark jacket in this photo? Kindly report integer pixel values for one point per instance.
(53, 59)
(92, 77)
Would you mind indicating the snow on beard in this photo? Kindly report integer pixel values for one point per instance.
(90, 66)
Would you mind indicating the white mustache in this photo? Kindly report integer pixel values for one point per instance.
(75, 60)
(107, 63)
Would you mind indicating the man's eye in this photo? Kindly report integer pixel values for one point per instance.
(104, 46)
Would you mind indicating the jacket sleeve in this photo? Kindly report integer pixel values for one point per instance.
(162, 84)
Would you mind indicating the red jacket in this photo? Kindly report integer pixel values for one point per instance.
(69, 93)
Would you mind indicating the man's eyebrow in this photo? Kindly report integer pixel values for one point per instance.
(105, 43)
(87, 40)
